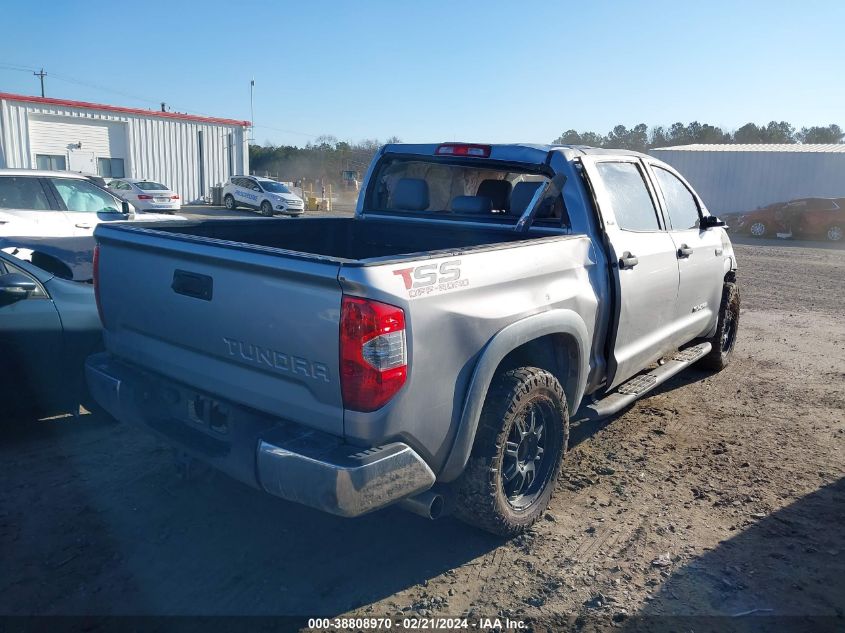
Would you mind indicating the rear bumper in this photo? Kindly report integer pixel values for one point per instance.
(284, 459)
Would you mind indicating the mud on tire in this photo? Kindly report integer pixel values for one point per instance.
(495, 491)
(724, 339)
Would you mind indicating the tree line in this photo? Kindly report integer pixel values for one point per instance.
(324, 159)
(641, 138)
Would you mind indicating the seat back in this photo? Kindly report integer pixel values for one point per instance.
(521, 196)
(410, 194)
(471, 204)
(499, 192)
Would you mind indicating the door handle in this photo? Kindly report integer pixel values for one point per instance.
(627, 260)
(684, 251)
(83, 225)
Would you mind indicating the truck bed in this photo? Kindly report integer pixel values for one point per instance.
(348, 240)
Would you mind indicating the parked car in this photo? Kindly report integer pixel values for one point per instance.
(433, 349)
(146, 195)
(48, 324)
(802, 217)
(58, 204)
(266, 196)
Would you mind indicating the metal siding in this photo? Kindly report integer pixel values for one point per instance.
(53, 135)
(741, 181)
(153, 147)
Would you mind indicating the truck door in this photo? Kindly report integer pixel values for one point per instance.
(644, 265)
(699, 252)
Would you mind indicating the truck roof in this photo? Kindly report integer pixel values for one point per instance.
(518, 152)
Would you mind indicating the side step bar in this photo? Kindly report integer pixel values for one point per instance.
(639, 385)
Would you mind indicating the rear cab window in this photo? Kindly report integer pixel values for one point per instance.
(450, 189)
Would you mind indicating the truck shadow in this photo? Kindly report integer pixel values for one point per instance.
(788, 566)
(98, 516)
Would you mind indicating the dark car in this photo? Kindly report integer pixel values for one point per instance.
(48, 324)
(802, 217)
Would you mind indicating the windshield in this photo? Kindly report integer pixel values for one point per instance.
(148, 185)
(271, 186)
(484, 191)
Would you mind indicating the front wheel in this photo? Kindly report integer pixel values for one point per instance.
(229, 202)
(834, 233)
(266, 208)
(724, 339)
(758, 229)
(516, 458)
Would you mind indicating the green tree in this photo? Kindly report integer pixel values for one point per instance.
(828, 134)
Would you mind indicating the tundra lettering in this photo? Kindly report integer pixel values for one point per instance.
(277, 360)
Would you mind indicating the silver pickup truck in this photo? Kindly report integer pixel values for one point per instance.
(432, 350)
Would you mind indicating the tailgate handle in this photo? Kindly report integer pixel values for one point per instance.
(192, 285)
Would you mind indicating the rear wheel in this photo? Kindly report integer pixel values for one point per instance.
(758, 229)
(724, 339)
(266, 208)
(834, 233)
(229, 202)
(517, 454)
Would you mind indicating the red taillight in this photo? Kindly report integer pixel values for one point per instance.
(143, 196)
(373, 353)
(463, 149)
(174, 197)
(96, 276)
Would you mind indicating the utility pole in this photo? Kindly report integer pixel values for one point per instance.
(252, 109)
(41, 74)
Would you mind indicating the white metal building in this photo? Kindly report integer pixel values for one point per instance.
(188, 153)
(736, 178)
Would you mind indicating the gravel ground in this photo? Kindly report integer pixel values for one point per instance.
(717, 495)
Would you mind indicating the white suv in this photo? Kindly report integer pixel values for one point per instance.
(266, 196)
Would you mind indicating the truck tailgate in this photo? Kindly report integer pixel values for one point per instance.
(253, 326)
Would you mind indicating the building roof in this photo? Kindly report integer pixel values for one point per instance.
(111, 108)
(756, 147)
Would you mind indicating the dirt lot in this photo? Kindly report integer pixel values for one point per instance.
(719, 494)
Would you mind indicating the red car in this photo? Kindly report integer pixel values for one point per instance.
(803, 217)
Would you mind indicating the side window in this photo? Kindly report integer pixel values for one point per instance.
(22, 193)
(111, 167)
(629, 197)
(81, 196)
(50, 161)
(680, 203)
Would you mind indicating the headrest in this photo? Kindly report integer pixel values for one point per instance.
(410, 194)
(521, 196)
(497, 190)
(472, 204)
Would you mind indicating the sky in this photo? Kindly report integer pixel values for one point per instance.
(482, 71)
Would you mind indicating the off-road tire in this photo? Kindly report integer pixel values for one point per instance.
(229, 202)
(720, 356)
(480, 498)
(266, 209)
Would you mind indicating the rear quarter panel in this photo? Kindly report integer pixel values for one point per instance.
(450, 323)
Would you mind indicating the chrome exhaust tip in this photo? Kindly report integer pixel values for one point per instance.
(427, 504)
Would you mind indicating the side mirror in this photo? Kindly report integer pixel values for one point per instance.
(710, 221)
(16, 285)
(256, 188)
(125, 209)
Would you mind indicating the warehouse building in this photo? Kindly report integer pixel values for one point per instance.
(188, 153)
(738, 178)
